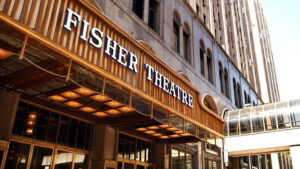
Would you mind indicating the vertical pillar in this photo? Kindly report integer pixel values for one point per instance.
(275, 161)
(146, 11)
(104, 145)
(162, 156)
(205, 64)
(181, 39)
(8, 108)
(295, 153)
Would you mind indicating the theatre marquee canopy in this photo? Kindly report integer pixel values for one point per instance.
(79, 36)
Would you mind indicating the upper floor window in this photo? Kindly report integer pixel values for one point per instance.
(152, 15)
(186, 44)
(176, 30)
(202, 62)
(221, 78)
(138, 8)
(226, 81)
(210, 67)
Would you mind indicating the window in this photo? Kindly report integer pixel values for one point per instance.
(176, 30)
(210, 67)
(202, 63)
(197, 10)
(226, 81)
(138, 8)
(152, 15)
(237, 94)
(186, 44)
(221, 78)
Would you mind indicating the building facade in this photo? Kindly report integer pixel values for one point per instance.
(125, 84)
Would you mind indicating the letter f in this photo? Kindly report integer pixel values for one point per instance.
(69, 19)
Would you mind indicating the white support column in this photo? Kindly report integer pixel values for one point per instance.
(295, 153)
(146, 11)
(275, 161)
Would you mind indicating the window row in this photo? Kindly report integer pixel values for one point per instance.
(41, 124)
(21, 155)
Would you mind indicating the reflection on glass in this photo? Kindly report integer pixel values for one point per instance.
(160, 114)
(244, 162)
(63, 160)
(176, 121)
(175, 159)
(181, 160)
(245, 120)
(295, 112)
(257, 119)
(188, 161)
(270, 117)
(141, 105)
(41, 158)
(234, 122)
(254, 160)
(20, 121)
(128, 166)
(81, 161)
(211, 138)
(17, 156)
(190, 128)
(52, 128)
(63, 130)
(282, 115)
(42, 124)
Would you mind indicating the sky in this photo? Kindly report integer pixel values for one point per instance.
(283, 17)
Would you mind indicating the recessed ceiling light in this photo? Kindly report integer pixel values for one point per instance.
(113, 112)
(172, 129)
(178, 132)
(70, 94)
(57, 98)
(150, 132)
(141, 129)
(87, 109)
(174, 135)
(100, 114)
(164, 126)
(157, 134)
(113, 103)
(125, 109)
(100, 98)
(186, 134)
(84, 91)
(4, 54)
(73, 104)
(164, 137)
(153, 127)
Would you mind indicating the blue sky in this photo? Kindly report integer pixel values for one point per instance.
(283, 17)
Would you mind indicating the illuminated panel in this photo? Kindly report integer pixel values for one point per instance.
(150, 132)
(84, 91)
(73, 104)
(70, 95)
(174, 136)
(100, 98)
(178, 132)
(113, 112)
(172, 129)
(157, 134)
(87, 109)
(100, 114)
(164, 126)
(125, 109)
(164, 137)
(153, 127)
(141, 129)
(57, 98)
(4, 54)
(113, 103)
(185, 134)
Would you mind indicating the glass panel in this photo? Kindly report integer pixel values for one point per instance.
(128, 166)
(63, 129)
(52, 128)
(226, 117)
(257, 119)
(89, 135)
(175, 159)
(245, 120)
(176, 121)
(190, 128)
(143, 151)
(211, 139)
(188, 161)
(139, 149)
(1, 156)
(132, 147)
(140, 167)
(254, 160)
(17, 156)
(295, 112)
(201, 133)
(121, 145)
(270, 117)
(127, 147)
(219, 142)
(42, 124)
(41, 158)
(20, 121)
(262, 160)
(160, 114)
(31, 120)
(141, 105)
(181, 160)
(81, 161)
(234, 122)
(63, 160)
(117, 93)
(244, 162)
(72, 132)
(80, 135)
(120, 165)
(282, 115)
